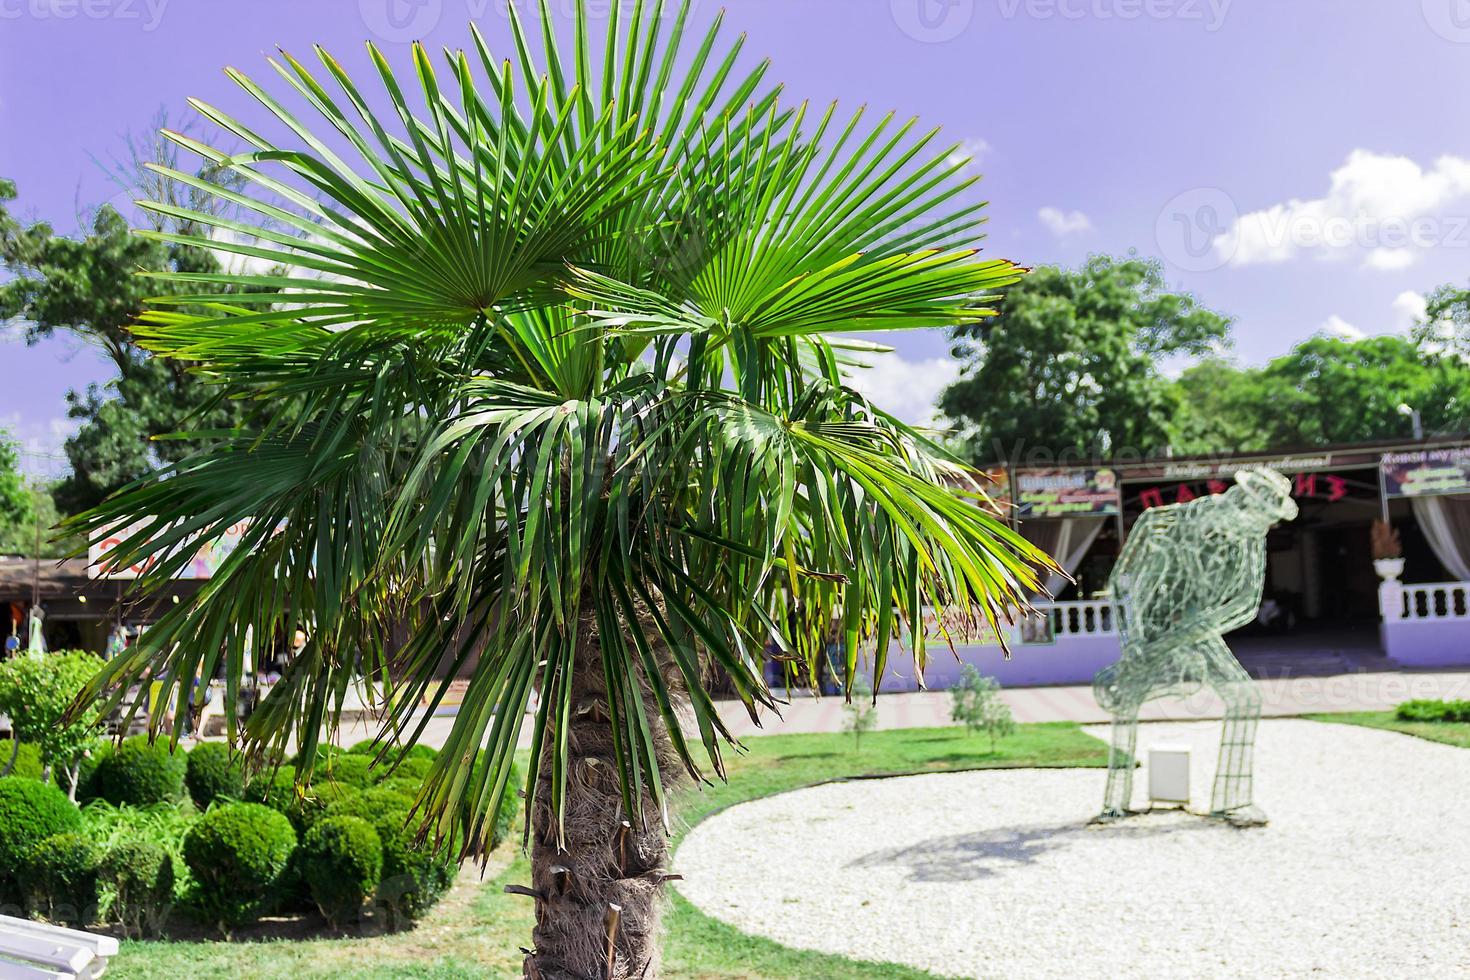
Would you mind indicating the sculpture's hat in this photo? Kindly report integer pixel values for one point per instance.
(1269, 489)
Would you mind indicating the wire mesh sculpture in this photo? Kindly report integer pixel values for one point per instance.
(1190, 573)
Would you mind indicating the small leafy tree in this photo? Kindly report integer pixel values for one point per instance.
(862, 710)
(978, 705)
(35, 692)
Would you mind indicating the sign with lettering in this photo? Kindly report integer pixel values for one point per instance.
(1324, 487)
(205, 562)
(1426, 473)
(1067, 493)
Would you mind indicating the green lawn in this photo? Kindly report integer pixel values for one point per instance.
(477, 930)
(1455, 733)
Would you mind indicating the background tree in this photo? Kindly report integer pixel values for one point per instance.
(1446, 323)
(89, 286)
(1072, 363)
(1326, 390)
(558, 396)
(35, 692)
(17, 509)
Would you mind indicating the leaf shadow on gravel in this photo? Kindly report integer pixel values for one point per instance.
(987, 853)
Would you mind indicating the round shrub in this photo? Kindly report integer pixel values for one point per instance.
(238, 854)
(349, 770)
(27, 760)
(278, 791)
(415, 877)
(141, 874)
(380, 806)
(30, 812)
(341, 859)
(412, 767)
(402, 785)
(61, 878)
(213, 771)
(140, 773)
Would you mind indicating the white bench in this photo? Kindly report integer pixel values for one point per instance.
(37, 951)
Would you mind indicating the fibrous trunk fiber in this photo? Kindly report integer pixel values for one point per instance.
(599, 891)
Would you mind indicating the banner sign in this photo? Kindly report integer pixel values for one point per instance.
(1426, 473)
(1325, 487)
(204, 564)
(1067, 493)
(996, 483)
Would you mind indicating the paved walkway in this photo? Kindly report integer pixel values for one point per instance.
(1366, 691)
(1363, 691)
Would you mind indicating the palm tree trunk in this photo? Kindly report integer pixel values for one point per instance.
(599, 897)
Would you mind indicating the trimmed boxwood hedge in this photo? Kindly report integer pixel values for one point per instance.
(61, 877)
(1429, 710)
(141, 874)
(27, 760)
(213, 771)
(239, 854)
(30, 812)
(138, 773)
(341, 860)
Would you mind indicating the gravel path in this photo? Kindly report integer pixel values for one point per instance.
(1364, 870)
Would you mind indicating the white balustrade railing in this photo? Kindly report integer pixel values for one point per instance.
(1091, 617)
(1432, 601)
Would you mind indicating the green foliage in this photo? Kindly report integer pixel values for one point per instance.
(278, 790)
(30, 812)
(341, 859)
(213, 771)
(1071, 366)
(1434, 710)
(37, 689)
(140, 874)
(17, 508)
(860, 710)
(18, 534)
(975, 701)
(510, 804)
(88, 286)
(27, 758)
(61, 877)
(238, 854)
(87, 765)
(1446, 323)
(139, 773)
(600, 361)
(1326, 390)
(414, 876)
(349, 770)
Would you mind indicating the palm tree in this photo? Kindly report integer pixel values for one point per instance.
(556, 396)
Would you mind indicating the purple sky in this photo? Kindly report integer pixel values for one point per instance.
(1303, 165)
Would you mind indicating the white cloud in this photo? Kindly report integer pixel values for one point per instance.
(1064, 224)
(1409, 308)
(970, 152)
(1336, 326)
(907, 389)
(1383, 210)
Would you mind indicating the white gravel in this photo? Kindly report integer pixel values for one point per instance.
(1364, 870)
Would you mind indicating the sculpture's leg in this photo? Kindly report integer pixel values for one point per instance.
(1232, 797)
(1119, 795)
